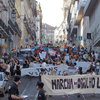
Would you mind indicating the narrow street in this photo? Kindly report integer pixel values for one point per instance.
(26, 87)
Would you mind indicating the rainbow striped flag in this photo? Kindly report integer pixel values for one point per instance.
(51, 52)
(13, 53)
(45, 49)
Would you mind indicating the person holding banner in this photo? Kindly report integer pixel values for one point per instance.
(41, 73)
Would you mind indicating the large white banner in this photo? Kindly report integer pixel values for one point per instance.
(62, 85)
(58, 69)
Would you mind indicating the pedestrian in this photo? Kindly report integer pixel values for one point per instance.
(18, 69)
(96, 56)
(7, 72)
(25, 64)
(42, 93)
(13, 93)
(41, 73)
(97, 67)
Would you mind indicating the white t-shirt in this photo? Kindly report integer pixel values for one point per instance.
(43, 64)
(96, 55)
(93, 73)
(94, 64)
(84, 57)
(97, 64)
(8, 69)
(43, 55)
(40, 54)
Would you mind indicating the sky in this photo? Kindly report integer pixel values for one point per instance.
(52, 11)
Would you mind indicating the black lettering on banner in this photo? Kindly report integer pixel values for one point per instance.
(69, 83)
(45, 73)
(78, 83)
(63, 72)
(55, 69)
(58, 84)
(93, 82)
(81, 83)
(48, 73)
(86, 83)
(30, 73)
(90, 82)
(38, 70)
(46, 70)
(59, 72)
(61, 83)
(54, 84)
(65, 84)
(50, 69)
(36, 73)
(98, 85)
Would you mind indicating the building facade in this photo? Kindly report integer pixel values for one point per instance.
(48, 33)
(17, 24)
(83, 24)
(28, 22)
(4, 33)
(77, 23)
(91, 11)
(38, 23)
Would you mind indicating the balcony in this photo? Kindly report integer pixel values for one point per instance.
(4, 4)
(12, 2)
(11, 26)
(79, 13)
(28, 28)
(89, 7)
(74, 30)
(96, 40)
(3, 28)
(18, 29)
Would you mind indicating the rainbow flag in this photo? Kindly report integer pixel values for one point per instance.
(45, 49)
(13, 52)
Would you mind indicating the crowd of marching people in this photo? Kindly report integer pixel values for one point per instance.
(12, 66)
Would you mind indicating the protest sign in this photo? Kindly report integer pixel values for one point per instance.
(85, 65)
(58, 69)
(63, 85)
